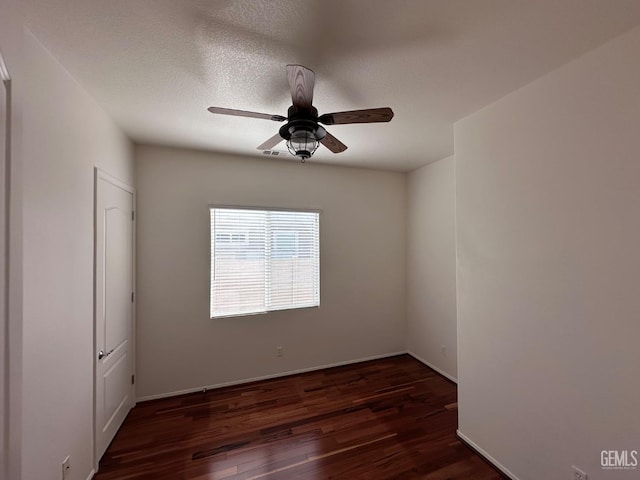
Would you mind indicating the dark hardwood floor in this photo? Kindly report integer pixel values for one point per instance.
(386, 419)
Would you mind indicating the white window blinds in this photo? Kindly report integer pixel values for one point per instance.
(263, 260)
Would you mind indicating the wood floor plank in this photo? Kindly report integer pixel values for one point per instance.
(383, 419)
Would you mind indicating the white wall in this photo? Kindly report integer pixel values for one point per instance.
(548, 236)
(65, 135)
(431, 266)
(362, 269)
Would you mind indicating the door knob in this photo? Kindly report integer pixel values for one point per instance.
(102, 355)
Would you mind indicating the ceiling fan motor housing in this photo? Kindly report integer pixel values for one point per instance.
(302, 132)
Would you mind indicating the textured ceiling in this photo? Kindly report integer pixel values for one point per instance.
(156, 65)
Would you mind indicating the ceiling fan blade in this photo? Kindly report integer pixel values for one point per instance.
(369, 115)
(272, 142)
(301, 81)
(244, 113)
(333, 144)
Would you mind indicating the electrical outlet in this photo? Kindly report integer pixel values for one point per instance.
(279, 351)
(578, 474)
(66, 468)
(443, 348)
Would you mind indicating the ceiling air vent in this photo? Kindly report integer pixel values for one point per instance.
(275, 153)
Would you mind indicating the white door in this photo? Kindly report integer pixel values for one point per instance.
(114, 308)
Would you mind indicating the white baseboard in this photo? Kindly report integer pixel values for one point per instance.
(91, 474)
(268, 377)
(433, 367)
(486, 456)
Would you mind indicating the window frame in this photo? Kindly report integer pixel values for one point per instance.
(272, 209)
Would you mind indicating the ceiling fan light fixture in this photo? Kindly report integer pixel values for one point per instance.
(303, 143)
(303, 135)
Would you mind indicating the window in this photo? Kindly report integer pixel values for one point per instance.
(263, 260)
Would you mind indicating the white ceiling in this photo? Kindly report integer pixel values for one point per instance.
(156, 65)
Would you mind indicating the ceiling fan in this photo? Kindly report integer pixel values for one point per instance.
(303, 131)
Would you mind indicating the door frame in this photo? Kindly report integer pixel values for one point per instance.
(100, 174)
(5, 192)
